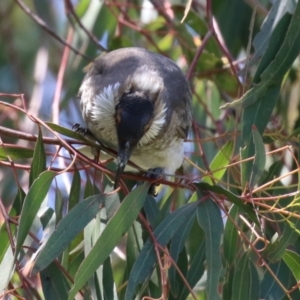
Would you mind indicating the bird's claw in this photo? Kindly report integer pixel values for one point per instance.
(83, 131)
(154, 173)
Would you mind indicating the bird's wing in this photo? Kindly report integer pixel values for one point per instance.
(178, 94)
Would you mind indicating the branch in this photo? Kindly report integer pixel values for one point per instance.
(44, 26)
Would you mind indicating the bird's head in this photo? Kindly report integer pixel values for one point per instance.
(134, 116)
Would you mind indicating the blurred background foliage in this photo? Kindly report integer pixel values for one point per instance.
(227, 228)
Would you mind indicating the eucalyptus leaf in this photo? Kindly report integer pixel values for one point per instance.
(210, 220)
(144, 264)
(32, 203)
(116, 227)
(67, 229)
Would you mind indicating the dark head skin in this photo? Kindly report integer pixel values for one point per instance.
(134, 115)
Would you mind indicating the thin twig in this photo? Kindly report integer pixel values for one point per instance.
(198, 53)
(70, 11)
(45, 27)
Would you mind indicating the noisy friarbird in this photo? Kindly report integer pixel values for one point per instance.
(139, 104)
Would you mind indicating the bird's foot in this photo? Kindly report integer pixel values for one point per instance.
(83, 131)
(154, 173)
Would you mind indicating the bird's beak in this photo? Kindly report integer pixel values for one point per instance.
(123, 157)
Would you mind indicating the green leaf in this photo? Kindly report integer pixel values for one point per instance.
(230, 197)
(69, 133)
(75, 190)
(232, 244)
(282, 50)
(261, 40)
(90, 189)
(133, 248)
(67, 229)
(14, 152)
(177, 244)
(6, 266)
(151, 210)
(134, 244)
(270, 289)
(245, 284)
(259, 159)
(263, 109)
(259, 101)
(75, 263)
(58, 205)
(143, 266)
(54, 283)
(32, 203)
(38, 164)
(227, 288)
(182, 262)
(234, 23)
(108, 280)
(210, 220)
(5, 242)
(82, 7)
(292, 259)
(196, 270)
(290, 234)
(219, 164)
(15, 211)
(46, 216)
(262, 82)
(116, 227)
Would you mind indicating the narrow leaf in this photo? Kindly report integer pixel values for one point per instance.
(151, 210)
(116, 227)
(67, 229)
(54, 283)
(75, 190)
(15, 152)
(292, 259)
(143, 266)
(134, 244)
(6, 266)
(245, 284)
(231, 236)
(108, 280)
(230, 197)
(32, 203)
(69, 133)
(176, 247)
(259, 158)
(261, 40)
(259, 101)
(219, 164)
(14, 211)
(270, 289)
(196, 270)
(210, 220)
(290, 234)
(38, 164)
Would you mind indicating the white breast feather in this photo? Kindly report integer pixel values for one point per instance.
(103, 113)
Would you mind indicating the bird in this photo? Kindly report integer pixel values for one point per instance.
(138, 103)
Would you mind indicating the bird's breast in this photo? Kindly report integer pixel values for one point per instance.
(162, 153)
